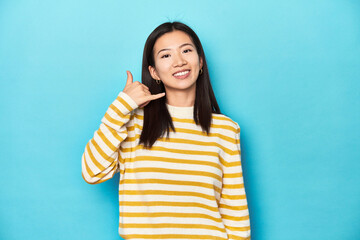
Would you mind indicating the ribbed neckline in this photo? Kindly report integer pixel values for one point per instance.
(180, 112)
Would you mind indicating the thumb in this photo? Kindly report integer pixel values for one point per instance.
(129, 78)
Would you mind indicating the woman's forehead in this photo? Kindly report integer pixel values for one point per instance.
(172, 40)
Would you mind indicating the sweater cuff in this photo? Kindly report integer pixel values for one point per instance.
(128, 100)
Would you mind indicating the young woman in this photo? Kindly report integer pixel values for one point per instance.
(178, 156)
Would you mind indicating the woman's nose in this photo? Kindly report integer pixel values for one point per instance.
(179, 60)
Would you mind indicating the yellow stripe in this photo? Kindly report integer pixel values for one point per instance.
(165, 236)
(171, 182)
(188, 141)
(198, 143)
(104, 177)
(213, 126)
(222, 161)
(200, 133)
(96, 182)
(93, 159)
(224, 127)
(237, 219)
(164, 149)
(120, 159)
(102, 168)
(194, 132)
(171, 225)
(238, 229)
(195, 152)
(233, 197)
(176, 171)
(101, 180)
(175, 160)
(183, 120)
(169, 214)
(114, 133)
(115, 109)
(124, 103)
(92, 175)
(113, 121)
(195, 142)
(167, 193)
(233, 175)
(101, 152)
(132, 128)
(223, 118)
(106, 141)
(234, 208)
(230, 164)
(231, 236)
(169, 204)
(88, 170)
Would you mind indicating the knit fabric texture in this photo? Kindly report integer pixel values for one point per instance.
(187, 186)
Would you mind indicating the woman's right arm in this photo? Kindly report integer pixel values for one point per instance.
(100, 158)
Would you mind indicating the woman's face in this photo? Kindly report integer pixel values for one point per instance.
(177, 63)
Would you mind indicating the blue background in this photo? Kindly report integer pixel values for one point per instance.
(287, 71)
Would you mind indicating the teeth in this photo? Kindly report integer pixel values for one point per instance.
(181, 73)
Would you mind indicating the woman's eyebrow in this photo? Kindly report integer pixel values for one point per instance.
(182, 45)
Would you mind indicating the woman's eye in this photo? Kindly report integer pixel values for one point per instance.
(187, 50)
(165, 56)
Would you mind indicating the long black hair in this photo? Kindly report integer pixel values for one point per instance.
(157, 119)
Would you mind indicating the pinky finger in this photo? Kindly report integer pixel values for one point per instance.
(156, 96)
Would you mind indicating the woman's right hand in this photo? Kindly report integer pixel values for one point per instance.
(139, 92)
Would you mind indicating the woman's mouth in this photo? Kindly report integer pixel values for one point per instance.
(182, 74)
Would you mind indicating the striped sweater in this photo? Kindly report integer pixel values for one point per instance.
(188, 186)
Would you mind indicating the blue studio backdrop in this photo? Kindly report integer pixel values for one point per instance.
(287, 71)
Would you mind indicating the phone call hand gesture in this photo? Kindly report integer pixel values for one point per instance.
(139, 92)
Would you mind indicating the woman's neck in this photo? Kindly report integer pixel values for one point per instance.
(180, 98)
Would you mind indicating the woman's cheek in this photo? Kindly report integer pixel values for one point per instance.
(193, 59)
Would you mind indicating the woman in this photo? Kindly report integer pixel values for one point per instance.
(178, 156)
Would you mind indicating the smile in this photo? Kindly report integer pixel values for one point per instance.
(182, 74)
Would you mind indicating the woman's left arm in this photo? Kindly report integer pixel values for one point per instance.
(233, 203)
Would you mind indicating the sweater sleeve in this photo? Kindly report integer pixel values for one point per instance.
(100, 159)
(233, 204)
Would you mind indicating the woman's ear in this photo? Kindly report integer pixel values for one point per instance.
(153, 73)
(201, 62)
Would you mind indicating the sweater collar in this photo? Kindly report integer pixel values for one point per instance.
(180, 112)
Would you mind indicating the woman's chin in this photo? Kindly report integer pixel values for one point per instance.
(182, 86)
